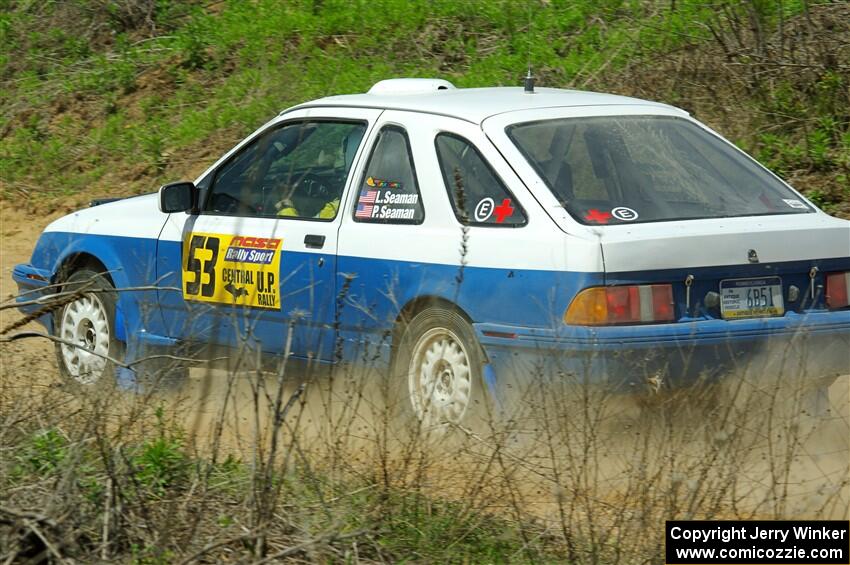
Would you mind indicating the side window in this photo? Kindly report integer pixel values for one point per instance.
(297, 170)
(478, 196)
(388, 191)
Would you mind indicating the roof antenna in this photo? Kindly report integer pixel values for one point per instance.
(529, 82)
(529, 78)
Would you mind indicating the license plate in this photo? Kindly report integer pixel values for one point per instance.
(751, 298)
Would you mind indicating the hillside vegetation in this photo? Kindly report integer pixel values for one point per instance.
(113, 97)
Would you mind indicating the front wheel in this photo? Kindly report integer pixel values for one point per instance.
(439, 367)
(87, 327)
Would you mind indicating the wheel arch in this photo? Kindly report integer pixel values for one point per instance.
(416, 305)
(74, 261)
(80, 260)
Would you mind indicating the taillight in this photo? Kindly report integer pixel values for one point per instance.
(611, 305)
(837, 285)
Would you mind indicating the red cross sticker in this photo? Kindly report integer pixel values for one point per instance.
(503, 211)
(594, 215)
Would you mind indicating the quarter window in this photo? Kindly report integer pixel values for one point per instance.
(295, 171)
(388, 192)
(478, 196)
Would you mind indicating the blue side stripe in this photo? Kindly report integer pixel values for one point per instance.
(530, 302)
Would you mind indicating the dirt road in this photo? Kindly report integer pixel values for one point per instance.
(29, 360)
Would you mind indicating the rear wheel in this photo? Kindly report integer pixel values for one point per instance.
(87, 327)
(438, 369)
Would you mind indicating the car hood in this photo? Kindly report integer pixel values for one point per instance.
(723, 242)
(137, 216)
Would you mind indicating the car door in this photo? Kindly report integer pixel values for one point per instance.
(258, 262)
(403, 238)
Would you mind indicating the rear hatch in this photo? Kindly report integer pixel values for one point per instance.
(672, 202)
(731, 268)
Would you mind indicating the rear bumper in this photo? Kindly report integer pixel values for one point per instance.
(815, 344)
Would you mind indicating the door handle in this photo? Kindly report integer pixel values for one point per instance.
(314, 241)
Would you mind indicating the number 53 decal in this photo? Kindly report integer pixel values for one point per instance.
(232, 269)
(197, 268)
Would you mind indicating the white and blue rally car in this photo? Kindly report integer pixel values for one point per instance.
(463, 235)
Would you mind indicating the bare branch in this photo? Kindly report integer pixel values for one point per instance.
(29, 334)
(322, 539)
(47, 299)
(207, 548)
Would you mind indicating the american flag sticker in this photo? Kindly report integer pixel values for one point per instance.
(364, 211)
(368, 196)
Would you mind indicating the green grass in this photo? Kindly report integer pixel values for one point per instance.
(155, 476)
(137, 104)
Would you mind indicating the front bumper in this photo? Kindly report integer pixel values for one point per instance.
(627, 358)
(33, 286)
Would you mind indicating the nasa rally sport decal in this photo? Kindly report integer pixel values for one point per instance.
(232, 269)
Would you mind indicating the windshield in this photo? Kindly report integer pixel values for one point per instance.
(627, 169)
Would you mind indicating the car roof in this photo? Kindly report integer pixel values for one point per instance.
(477, 104)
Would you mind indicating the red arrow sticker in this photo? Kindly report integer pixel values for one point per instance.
(504, 210)
(594, 215)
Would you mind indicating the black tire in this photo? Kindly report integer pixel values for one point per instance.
(457, 398)
(88, 321)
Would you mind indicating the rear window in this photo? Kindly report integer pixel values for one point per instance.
(628, 169)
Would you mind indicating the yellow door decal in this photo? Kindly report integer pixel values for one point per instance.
(232, 269)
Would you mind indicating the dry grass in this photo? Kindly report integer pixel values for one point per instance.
(247, 465)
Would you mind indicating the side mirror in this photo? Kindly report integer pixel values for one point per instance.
(177, 197)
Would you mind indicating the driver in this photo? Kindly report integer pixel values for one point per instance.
(308, 198)
(287, 208)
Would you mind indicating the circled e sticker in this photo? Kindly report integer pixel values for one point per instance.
(484, 209)
(624, 214)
